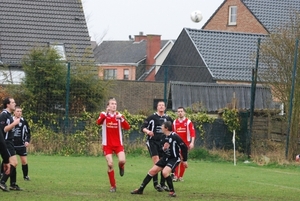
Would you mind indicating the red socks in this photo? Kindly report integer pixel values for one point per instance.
(111, 176)
(182, 170)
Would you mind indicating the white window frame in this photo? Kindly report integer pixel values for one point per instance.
(232, 18)
(126, 74)
(110, 74)
(60, 48)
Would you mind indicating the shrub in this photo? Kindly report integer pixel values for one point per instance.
(87, 140)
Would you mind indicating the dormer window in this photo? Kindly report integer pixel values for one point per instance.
(232, 15)
(60, 48)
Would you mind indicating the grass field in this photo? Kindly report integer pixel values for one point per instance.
(84, 178)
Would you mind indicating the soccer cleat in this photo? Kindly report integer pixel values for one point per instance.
(26, 178)
(137, 191)
(180, 179)
(4, 187)
(121, 170)
(159, 188)
(175, 179)
(166, 188)
(172, 194)
(113, 189)
(15, 188)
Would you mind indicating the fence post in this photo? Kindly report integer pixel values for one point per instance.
(252, 104)
(291, 98)
(165, 84)
(67, 96)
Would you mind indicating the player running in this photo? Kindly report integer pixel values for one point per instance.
(152, 128)
(170, 159)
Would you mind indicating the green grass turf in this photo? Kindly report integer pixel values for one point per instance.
(85, 178)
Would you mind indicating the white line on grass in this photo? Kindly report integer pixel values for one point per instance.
(281, 172)
(280, 186)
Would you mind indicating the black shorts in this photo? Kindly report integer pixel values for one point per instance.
(154, 147)
(10, 147)
(21, 151)
(170, 162)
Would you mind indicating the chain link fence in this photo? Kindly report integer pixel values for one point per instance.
(60, 94)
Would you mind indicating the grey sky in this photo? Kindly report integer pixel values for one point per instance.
(117, 19)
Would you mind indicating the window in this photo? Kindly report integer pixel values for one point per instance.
(110, 74)
(126, 74)
(60, 48)
(232, 15)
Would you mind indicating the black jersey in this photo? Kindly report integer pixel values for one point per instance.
(3, 148)
(6, 119)
(153, 123)
(176, 145)
(22, 133)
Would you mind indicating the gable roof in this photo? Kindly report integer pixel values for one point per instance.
(122, 52)
(227, 55)
(167, 44)
(27, 23)
(213, 96)
(273, 13)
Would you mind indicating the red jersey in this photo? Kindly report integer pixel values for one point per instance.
(112, 128)
(185, 129)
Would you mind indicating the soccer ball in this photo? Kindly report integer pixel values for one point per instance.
(196, 16)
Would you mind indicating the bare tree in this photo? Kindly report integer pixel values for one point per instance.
(278, 56)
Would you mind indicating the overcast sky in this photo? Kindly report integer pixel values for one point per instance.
(117, 19)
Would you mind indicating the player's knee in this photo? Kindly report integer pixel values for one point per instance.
(24, 162)
(14, 164)
(110, 166)
(122, 161)
(165, 173)
(152, 172)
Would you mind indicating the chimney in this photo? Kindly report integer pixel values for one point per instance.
(153, 47)
(140, 37)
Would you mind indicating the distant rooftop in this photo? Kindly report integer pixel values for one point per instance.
(228, 55)
(273, 13)
(25, 24)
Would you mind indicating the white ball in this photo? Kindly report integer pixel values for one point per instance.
(196, 16)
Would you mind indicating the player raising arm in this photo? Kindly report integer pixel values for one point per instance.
(112, 124)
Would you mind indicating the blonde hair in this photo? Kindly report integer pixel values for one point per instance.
(110, 99)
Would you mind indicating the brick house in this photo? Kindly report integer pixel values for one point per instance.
(252, 16)
(134, 59)
(223, 52)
